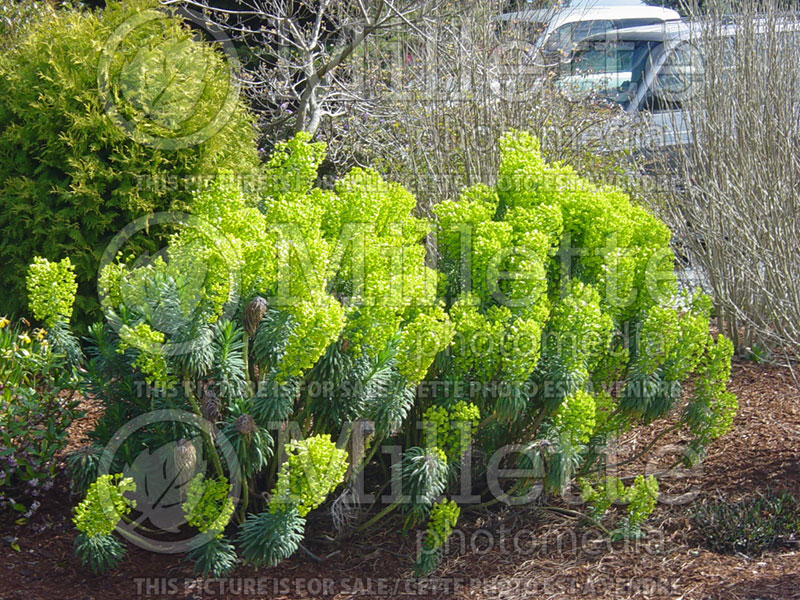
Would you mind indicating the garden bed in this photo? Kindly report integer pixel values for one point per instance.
(533, 553)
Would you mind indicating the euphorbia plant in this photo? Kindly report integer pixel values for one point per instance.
(569, 325)
(302, 308)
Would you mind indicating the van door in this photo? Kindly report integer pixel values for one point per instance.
(671, 83)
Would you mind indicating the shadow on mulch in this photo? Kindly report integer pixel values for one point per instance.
(502, 553)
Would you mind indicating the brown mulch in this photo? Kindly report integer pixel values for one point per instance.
(80, 428)
(497, 553)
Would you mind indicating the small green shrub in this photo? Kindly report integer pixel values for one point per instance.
(71, 177)
(748, 526)
(38, 384)
(37, 405)
(640, 497)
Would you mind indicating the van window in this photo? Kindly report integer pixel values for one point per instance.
(623, 23)
(613, 71)
(569, 34)
(601, 57)
(603, 68)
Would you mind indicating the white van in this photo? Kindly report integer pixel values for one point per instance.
(654, 69)
(653, 72)
(554, 32)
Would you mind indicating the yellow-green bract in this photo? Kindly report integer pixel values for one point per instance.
(51, 289)
(208, 506)
(443, 518)
(314, 467)
(104, 505)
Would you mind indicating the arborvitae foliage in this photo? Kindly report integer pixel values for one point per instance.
(71, 175)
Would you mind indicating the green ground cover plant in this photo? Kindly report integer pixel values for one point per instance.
(750, 526)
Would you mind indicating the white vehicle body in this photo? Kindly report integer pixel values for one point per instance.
(651, 72)
(554, 30)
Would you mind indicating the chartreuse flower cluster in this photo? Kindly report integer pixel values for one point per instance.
(97, 516)
(579, 329)
(421, 342)
(51, 289)
(675, 342)
(443, 518)
(150, 361)
(381, 270)
(313, 468)
(495, 344)
(601, 495)
(641, 497)
(104, 505)
(451, 430)
(442, 521)
(711, 410)
(575, 419)
(356, 246)
(606, 240)
(208, 505)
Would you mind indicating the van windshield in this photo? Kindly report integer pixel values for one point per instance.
(611, 71)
